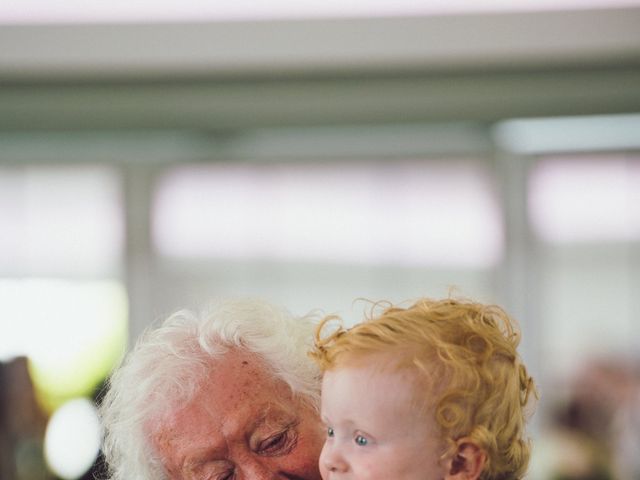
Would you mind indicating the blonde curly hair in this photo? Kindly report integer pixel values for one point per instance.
(464, 354)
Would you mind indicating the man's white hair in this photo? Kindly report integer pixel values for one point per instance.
(169, 363)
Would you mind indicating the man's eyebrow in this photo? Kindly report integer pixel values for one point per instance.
(201, 456)
(272, 414)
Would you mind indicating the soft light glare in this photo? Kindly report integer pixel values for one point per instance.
(72, 439)
(38, 11)
(585, 200)
(406, 213)
(72, 332)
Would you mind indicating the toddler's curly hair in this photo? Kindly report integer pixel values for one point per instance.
(468, 369)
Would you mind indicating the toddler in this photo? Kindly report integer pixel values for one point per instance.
(434, 391)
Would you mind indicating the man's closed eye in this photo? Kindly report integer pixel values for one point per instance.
(278, 444)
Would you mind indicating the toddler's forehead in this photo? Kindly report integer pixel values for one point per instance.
(416, 369)
(366, 391)
(421, 377)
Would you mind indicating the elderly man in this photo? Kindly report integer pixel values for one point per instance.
(226, 395)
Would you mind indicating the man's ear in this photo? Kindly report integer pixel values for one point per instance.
(467, 462)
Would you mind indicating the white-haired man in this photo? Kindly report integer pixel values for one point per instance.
(230, 394)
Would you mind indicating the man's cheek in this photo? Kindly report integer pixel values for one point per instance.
(302, 464)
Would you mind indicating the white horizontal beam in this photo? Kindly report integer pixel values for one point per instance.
(536, 136)
(312, 46)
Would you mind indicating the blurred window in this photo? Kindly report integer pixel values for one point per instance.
(60, 221)
(586, 199)
(585, 210)
(64, 306)
(407, 213)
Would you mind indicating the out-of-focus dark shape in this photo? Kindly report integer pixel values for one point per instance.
(97, 471)
(597, 430)
(99, 468)
(22, 425)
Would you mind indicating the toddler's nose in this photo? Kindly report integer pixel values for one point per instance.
(332, 460)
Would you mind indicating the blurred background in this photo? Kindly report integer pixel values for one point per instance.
(154, 156)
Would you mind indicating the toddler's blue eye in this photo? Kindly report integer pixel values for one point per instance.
(330, 432)
(360, 440)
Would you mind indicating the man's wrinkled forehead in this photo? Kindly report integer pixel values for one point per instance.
(238, 398)
(235, 381)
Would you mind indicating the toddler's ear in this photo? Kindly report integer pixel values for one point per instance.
(468, 461)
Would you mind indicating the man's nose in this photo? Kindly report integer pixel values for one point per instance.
(332, 459)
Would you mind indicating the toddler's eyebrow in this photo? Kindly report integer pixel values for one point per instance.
(344, 422)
